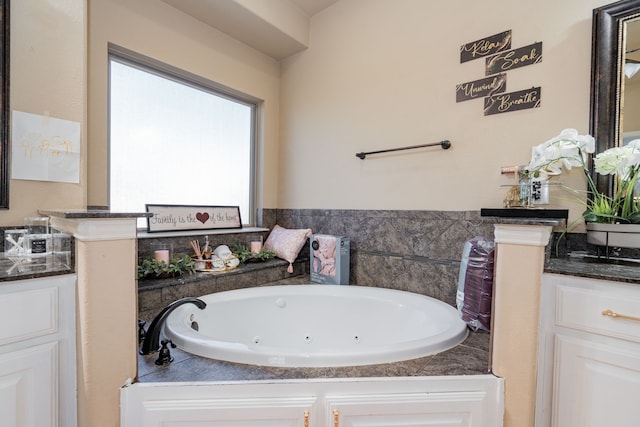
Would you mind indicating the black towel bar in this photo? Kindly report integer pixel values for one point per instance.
(446, 144)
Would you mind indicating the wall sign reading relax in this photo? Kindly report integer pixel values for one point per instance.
(485, 46)
(187, 217)
(499, 58)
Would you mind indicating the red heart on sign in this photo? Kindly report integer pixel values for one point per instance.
(202, 217)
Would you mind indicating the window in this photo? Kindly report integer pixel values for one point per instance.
(177, 139)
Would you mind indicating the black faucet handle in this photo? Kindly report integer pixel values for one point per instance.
(164, 355)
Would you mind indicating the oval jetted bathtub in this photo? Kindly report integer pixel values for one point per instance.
(315, 326)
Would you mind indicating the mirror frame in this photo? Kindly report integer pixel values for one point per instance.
(4, 104)
(606, 80)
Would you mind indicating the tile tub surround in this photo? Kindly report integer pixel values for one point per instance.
(154, 295)
(469, 358)
(416, 251)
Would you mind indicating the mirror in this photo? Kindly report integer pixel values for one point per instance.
(4, 104)
(614, 97)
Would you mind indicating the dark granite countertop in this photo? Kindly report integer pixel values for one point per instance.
(583, 265)
(30, 267)
(469, 358)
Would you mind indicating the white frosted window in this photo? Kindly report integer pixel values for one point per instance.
(173, 142)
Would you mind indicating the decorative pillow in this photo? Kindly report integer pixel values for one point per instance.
(287, 243)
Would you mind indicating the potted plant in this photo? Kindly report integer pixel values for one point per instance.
(611, 220)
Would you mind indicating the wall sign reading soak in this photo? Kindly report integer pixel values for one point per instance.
(515, 58)
(485, 46)
(187, 217)
(513, 101)
(481, 88)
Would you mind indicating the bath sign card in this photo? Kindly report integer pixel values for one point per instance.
(481, 88)
(44, 148)
(485, 46)
(513, 101)
(187, 217)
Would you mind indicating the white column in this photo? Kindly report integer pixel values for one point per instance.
(520, 252)
(106, 253)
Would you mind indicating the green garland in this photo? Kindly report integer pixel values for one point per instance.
(154, 269)
(245, 255)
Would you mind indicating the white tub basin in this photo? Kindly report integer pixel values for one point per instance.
(316, 326)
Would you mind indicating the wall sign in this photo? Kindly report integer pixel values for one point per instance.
(187, 217)
(499, 58)
(515, 58)
(513, 101)
(485, 46)
(481, 88)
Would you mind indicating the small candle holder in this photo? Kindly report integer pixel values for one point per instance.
(256, 245)
(162, 252)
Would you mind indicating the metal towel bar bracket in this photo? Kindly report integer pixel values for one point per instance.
(446, 144)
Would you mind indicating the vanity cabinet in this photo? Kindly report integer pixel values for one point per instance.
(416, 401)
(589, 353)
(37, 352)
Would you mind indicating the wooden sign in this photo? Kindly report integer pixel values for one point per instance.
(481, 88)
(515, 58)
(485, 46)
(513, 101)
(187, 217)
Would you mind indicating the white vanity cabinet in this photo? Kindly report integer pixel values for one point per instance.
(589, 353)
(472, 401)
(37, 352)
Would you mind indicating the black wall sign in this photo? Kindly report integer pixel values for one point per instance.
(512, 101)
(481, 88)
(485, 46)
(516, 58)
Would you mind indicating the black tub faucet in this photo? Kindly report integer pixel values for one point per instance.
(151, 341)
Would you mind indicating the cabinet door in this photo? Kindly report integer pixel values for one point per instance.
(28, 387)
(223, 412)
(596, 383)
(448, 409)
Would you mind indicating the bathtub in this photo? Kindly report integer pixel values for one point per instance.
(315, 326)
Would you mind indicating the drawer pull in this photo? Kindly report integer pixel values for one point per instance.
(306, 418)
(336, 418)
(611, 313)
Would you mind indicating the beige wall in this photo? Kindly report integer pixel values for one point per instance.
(155, 29)
(381, 74)
(48, 77)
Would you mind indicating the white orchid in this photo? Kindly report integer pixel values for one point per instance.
(564, 151)
(621, 161)
(570, 149)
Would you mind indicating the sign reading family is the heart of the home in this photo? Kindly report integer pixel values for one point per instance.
(188, 217)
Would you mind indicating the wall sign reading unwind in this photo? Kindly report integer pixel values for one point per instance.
(499, 58)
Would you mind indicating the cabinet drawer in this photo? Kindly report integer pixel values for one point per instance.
(28, 314)
(582, 308)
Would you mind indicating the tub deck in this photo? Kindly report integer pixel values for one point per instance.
(469, 358)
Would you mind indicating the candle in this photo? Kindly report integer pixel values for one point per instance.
(256, 246)
(161, 255)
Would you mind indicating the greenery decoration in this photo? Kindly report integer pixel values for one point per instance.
(153, 269)
(245, 255)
